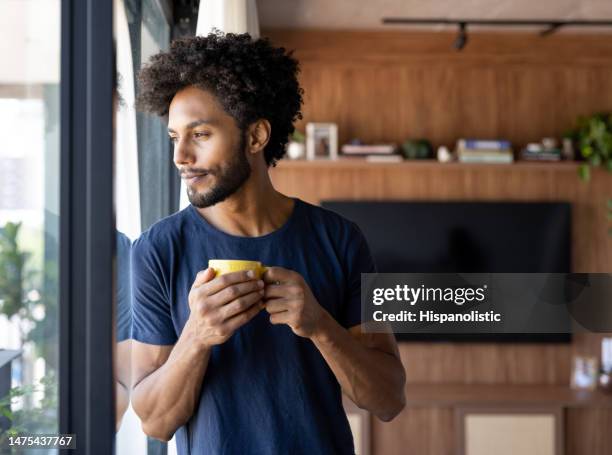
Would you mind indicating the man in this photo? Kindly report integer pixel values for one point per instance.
(232, 364)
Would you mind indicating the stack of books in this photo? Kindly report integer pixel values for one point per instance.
(535, 152)
(384, 153)
(484, 151)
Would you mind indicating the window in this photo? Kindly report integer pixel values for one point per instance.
(29, 215)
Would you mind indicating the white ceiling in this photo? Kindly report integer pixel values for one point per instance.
(367, 13)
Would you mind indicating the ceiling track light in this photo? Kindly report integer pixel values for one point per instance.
(462, 37)
(551, 25)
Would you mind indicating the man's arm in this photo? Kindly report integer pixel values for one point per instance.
(167, 383)
(367, 366)
(167, 380)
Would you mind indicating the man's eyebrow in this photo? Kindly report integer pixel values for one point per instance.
(196, 123)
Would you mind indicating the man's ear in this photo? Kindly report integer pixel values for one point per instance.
(258, 135)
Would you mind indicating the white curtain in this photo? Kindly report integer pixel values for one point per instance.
(130, 439)
(127, 190)
(229, 16)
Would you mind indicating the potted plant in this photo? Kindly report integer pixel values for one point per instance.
(296, 147)
(593, 139)
(419, 149)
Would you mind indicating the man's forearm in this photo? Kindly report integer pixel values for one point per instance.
(166, 398)
(373, 379)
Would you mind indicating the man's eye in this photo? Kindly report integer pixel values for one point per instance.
(201, 134)
(173, 139)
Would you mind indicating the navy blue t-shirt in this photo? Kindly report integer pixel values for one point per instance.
(265, 390)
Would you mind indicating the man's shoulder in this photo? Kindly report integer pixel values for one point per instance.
(330, 221)
(164, 231)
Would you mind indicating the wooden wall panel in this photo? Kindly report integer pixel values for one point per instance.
(392, 85)
(388, 86)
(489, 363)
(591, 244)
(422, 431)
(486, 363)
(588, 431)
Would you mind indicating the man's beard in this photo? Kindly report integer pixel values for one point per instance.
(229, 178)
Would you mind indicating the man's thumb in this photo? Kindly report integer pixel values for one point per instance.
(204, 276)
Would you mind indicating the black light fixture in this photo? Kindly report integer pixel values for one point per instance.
(551, 25)
(462, 37)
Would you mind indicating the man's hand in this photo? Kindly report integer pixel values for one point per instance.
(219, 306)
(289, 300)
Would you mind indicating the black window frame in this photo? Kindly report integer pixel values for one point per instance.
(87, 227)
(87, 219)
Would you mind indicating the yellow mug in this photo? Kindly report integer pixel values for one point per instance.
(223, 266)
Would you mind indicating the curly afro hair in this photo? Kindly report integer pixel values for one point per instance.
(251, 79)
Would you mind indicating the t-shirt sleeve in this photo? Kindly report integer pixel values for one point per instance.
(152, 319)
(358, 260)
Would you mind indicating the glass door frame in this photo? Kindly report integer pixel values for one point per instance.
(87, 227)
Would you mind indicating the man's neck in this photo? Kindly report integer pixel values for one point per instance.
(254, 210)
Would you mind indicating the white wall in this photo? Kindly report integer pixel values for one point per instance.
(32, 22)
(367, 13)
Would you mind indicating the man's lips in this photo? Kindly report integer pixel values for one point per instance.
(192, 178)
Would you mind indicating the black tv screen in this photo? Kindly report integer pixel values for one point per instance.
(468, 237)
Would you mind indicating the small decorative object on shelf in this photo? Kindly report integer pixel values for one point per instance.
(584, 373)
(296, 149)
(605, 375)
(605, 381)
(567, 151)
(382, 153)
(444, 155)
(321, 141)
(484, 151)
(546, 150)
(549, 143)
(419, 149)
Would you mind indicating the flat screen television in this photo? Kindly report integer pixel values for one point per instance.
(468, 237)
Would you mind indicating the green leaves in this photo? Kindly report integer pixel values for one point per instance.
(35, 419)
(594, 138)
(584, 172)
(12, 270)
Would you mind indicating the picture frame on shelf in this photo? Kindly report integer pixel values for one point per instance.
(321, 141)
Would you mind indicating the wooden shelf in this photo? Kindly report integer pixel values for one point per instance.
(433, 164)
(451, 395)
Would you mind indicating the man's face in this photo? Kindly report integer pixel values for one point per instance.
(209, 148)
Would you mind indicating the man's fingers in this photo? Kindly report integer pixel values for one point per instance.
(283, 290)
(237, 321)
(203, 276)
(277, 305)
(279, 275)
(223, 281)
(233, 292)
(240, 304)
(280, 318)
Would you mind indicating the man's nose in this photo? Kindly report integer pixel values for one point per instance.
(182, 153)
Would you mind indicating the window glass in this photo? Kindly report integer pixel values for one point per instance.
(29, 215)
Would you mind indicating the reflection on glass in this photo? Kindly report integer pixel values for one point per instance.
(29, 211)
(141, 152)
(126, 207)
(123, 318)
